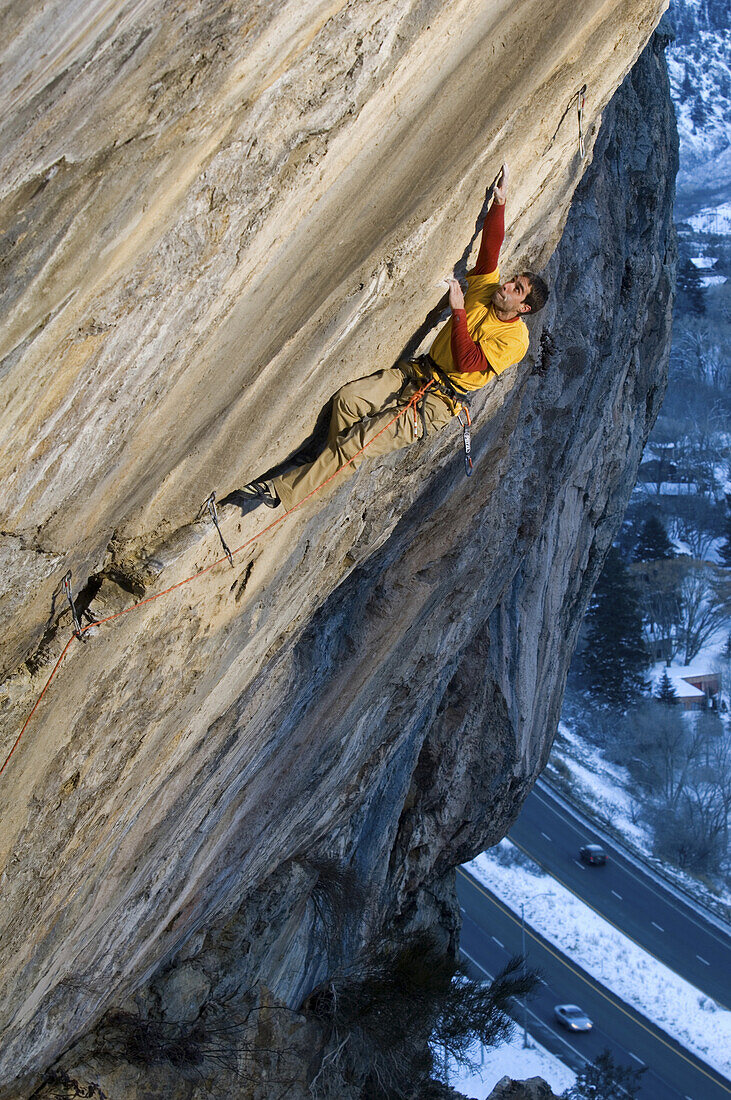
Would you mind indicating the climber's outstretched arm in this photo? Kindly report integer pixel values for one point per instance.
(493, 228)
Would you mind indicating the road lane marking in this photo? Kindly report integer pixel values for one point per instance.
(635, 1057)
(478, 965)
(582, 1057)
(497, 941)
(617, 895)
(703, 960)
(594, 984)
(663, 893)
(584, 901)
(547, 837)
(656, 925)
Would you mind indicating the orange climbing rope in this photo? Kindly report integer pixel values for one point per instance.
(412, 403)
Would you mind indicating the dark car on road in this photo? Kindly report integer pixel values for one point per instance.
(572, 1017)
(592, 853)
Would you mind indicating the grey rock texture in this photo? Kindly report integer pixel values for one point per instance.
(533, 1089)
(377, 683)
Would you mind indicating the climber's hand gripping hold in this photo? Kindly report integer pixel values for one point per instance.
(500, 190)
(456, 297)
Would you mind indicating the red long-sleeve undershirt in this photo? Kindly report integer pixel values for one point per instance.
(468, 356)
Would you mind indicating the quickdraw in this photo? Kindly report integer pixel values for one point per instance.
(580, 111)
(580, 98)
(444, 385)
(210, 504)
(466, 438)
(78, 633)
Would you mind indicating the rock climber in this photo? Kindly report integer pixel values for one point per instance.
(484, 336)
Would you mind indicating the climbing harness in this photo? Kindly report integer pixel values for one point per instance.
(80, 631)
(443, 384)
(579, 97)
(210, 504)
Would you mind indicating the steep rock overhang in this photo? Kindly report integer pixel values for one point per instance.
(197, 264)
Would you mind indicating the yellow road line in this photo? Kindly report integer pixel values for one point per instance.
(597, 988)
(602, 915)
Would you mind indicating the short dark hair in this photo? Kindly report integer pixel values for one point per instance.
(537, 296)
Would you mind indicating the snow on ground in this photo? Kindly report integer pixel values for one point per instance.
(709, 660)
(712, 219)
(666, 999)
(603, 785)
(510, 1060)
(604, 791)
(672, 488)
(722, 470)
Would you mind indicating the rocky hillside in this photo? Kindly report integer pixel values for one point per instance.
(699, 61)
(215, 217)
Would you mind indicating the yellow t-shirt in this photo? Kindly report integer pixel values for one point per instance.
(503, 342)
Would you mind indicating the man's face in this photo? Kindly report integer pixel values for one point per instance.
(510, 296)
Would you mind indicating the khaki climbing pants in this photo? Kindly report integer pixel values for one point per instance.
(361, 409)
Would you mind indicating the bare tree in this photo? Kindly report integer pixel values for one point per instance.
(663, 749)
(696, 833)
(696, 350)
(704, 592)
(658, 587)
(698, 521)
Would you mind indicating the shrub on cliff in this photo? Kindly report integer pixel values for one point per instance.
(399, 1012)
(61, 1086)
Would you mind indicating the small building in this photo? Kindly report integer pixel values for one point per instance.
(689, 696)
(695, 690)
(707, 682)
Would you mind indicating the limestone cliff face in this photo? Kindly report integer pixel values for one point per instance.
(214, 217)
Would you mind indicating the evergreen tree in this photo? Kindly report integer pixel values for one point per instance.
(699, 114)
(615, 654)
(605, 1079)
(690, 287)
(666, 692)
(688, 88)
(653, 543)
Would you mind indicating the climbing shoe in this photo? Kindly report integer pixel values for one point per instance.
(251, 496)
(263, 490)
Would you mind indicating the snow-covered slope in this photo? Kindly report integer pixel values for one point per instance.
(699, 62)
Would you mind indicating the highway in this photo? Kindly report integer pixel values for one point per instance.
(635, 902)
(491, 934)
